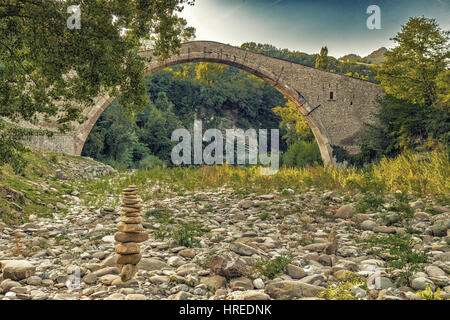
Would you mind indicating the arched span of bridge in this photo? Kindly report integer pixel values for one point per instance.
(335, 106)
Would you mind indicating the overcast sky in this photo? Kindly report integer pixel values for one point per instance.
(307, 25)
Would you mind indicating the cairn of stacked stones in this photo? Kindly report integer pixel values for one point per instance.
(131, 232)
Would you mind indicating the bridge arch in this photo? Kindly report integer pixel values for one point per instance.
(335, 106)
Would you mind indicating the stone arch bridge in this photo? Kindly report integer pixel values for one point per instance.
(335, 106)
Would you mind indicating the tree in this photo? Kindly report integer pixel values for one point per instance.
(49, 69)
(302, 154)
(157, 131)
(414, 67)
(120, 140)
(322, 59)
(294, 123)
(209, 73)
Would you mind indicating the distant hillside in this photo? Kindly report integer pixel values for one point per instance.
(350, 58)
(377, 57)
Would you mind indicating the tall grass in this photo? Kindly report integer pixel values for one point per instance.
(408, 173)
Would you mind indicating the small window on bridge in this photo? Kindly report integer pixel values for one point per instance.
(351, 103)
(331, 95)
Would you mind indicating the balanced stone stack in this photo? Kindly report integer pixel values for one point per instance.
(131, 232)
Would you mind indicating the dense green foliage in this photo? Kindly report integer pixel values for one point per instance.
(10, 149)
(411, 70)
(322, 59)
(302, 147)
(222, 97)
(401, 125)
(218, 95)
(301, 154)
(271, 268)
(121, 142)
(44, 62)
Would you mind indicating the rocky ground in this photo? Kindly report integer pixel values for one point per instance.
(230, 248)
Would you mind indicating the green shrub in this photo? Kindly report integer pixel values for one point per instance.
(342, 290)
(369, 201)
(400, 125)
(119, 166)
(270, 268)
(150, 162)
(431, 210)
(411, 230)
(302, 154)
(186, 233)
(162, 232)
(264, 215)
(390, 219)
(54, 159)
(401, 254)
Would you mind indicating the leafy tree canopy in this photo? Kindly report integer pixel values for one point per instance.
(416, 70)
(50, 69)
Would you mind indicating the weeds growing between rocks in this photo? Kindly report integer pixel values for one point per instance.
(389, 175)
(271, 268)
(399, 254)
(343, 289)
